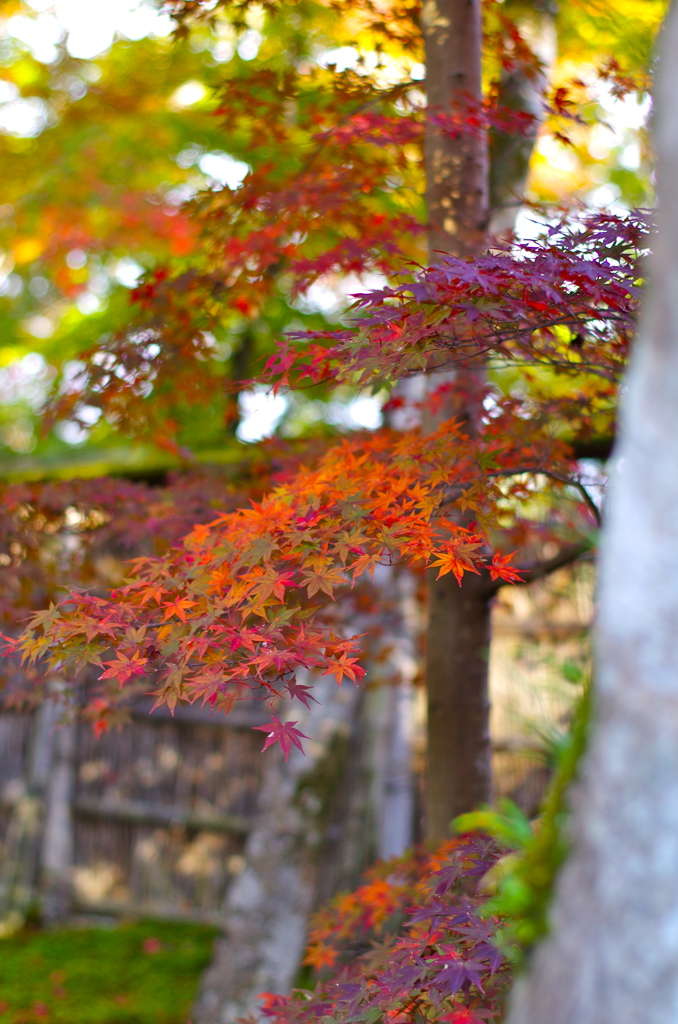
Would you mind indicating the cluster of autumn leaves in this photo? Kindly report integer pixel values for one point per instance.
(566, 301)
(415, 941)
(241, 605)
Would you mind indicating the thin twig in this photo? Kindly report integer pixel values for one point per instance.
(561, 478)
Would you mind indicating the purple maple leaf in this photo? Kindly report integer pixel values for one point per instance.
(447, 877)
(301, 692)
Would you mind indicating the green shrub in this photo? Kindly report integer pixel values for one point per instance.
(524, 880)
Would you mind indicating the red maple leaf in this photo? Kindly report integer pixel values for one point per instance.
(124, 667)
(283, 733)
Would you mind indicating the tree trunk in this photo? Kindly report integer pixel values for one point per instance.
(459, 771)
(521, 90)
(456, 168)
(459, 182)
(266, 909)
(613, 950)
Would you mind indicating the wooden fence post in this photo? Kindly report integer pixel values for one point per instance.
(57, 846)
(20, 861)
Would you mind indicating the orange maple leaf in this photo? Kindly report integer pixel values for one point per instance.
(178, 608)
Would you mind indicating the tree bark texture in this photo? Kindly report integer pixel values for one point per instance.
(459, 761)
(459, 771)
(456, 168)
(613, 950)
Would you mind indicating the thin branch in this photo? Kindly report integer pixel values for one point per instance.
(453, 494)
(561, 478)
(538, 570)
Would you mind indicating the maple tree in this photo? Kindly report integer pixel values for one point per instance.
(335, 188)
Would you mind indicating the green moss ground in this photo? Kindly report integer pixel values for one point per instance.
(142, 973)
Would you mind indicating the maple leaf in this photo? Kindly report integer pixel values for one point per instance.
(123, 668)
(98, 713)
(269, 1001)
(345, 666)
(464, 1015)
(455, 971)
(301, 692)
(283, 733)
(362, 563)
(451, 561)
(447, 877)
(178, 608)
(199, 534)
(319, 956)
(501, 570)
(153, 593)
(323, 579)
